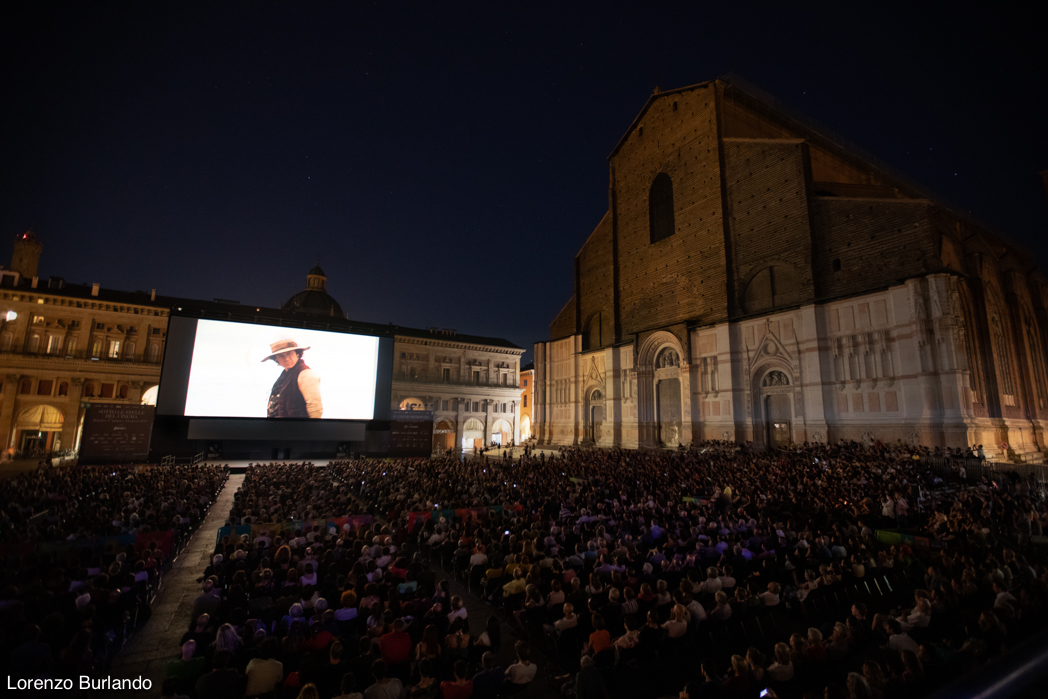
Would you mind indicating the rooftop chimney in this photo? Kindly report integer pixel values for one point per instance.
(94, 289)
(152, 295)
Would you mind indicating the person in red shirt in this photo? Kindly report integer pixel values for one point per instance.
(321, 639)
(460, 687)
(395, 646)
(600, 639)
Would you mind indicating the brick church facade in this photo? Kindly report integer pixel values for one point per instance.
(755, 279)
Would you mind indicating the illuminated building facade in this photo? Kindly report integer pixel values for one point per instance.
(755, 279)
(527, 399)
(66, 346)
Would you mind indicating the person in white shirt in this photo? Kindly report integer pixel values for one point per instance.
(919, 617)
(556, 595)
(721, 612)
(696, 611)
(458, 610)
(523, 671)
(727, 581)
(568, 621)
(480, 558)
(712, 584)
(898, 639)
(385, 687)
(771, 596)
(888, 507)
(1004, 598)
(676, 627)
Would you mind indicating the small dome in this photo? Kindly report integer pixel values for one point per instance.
(315, 299)
(313, 302)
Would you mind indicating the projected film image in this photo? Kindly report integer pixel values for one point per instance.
(244, 370)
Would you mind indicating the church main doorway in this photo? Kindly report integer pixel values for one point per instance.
(778, 410)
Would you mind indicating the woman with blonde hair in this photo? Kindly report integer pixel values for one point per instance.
(782, 669)
(858, 687)
(874, 675)
(309, 692)
(816, 649)
(227, 640)
(839, 643)
(756, 661)
(738, 681)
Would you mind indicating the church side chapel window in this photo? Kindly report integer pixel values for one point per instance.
(660, 208)
(1004, 363)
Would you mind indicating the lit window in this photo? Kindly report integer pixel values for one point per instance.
(114, 349)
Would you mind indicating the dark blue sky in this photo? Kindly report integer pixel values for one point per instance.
(445, 161)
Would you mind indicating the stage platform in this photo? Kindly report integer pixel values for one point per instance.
(240, 465)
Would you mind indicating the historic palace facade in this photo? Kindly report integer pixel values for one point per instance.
(755, 279)
(66, 346)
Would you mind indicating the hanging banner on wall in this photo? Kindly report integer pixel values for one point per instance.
(410, 432)
(116, 433)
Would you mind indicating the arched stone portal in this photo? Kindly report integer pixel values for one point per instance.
(594, 416)
(663, 418)
(443, 435)
(668, 397)
(776, 392)
(149, 396)
(502, 432)
(472, 434)
(412, 404)
(38, 429)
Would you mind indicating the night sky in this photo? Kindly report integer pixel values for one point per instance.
(445, 161)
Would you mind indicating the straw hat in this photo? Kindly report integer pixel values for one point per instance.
(282, 346)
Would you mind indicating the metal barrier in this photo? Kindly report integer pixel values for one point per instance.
(976, 469)
(195, 460)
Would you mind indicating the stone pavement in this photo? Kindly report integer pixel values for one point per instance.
(156, 643)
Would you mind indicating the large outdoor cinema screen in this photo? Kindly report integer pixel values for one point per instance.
(222, 369)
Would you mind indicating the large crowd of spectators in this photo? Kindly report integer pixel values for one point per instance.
(716, 568)
(83, 550)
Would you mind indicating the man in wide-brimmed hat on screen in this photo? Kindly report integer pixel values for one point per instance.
(296, 392)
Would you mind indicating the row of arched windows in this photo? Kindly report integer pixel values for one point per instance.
(92, 389)
(110, 349)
